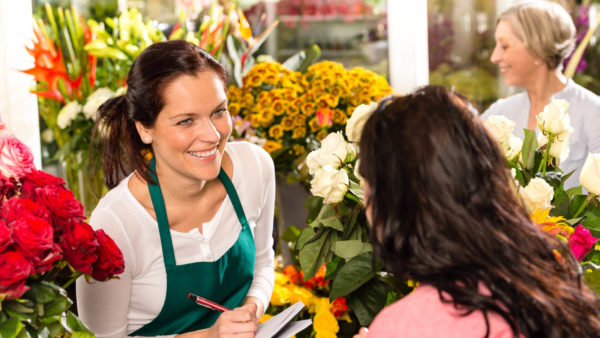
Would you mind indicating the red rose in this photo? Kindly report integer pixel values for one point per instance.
(110, 259)
(38, 179)
(16, 208)
(581, 242)
(16, 158)
(79, 246)
(7, 188)
(61, 203)
(5, 236)
(14, 269)
(32, 236)
(45, 264)
(338, 306)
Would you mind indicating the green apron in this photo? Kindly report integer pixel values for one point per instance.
(225, 281)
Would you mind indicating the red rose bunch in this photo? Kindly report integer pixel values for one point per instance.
(42, 228)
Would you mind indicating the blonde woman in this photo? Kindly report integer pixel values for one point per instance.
(532, 40)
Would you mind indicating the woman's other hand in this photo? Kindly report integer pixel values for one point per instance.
(362, 333)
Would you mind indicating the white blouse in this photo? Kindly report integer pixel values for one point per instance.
(120, 306)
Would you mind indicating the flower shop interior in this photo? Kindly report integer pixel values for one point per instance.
(301, 74)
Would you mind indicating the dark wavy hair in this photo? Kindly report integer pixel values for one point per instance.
(115, 133)
(444, 213)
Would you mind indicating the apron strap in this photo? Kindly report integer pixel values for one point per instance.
(161, 216)
(233, 196)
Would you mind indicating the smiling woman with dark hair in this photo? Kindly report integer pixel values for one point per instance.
(195, 218)
(444, 213)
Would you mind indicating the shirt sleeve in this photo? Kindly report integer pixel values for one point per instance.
(104, 306)
(592, 126)
(264, 275)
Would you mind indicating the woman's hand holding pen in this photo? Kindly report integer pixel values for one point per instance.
(239, 322)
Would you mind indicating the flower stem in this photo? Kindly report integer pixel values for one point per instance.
(544, 162)
(584, 205)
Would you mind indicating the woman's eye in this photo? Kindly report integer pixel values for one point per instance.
(220, 112)
(184, 122)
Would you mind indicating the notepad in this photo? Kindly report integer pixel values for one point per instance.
(282, 326)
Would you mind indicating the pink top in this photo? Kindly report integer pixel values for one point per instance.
(422, 314)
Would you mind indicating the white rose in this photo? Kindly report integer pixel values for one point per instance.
(356, 122)
(590, 174)
(333, 152)
(47, 136)
(500, 127)
(352, 152)
(537, 195)
(560, 145)
(514, 147)
(330, 183)
(94, 101)
(68, 114)
(554, 119)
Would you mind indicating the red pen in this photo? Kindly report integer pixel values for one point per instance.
(207, 303)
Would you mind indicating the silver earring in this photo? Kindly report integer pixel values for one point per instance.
(536, 62)
(147, 139)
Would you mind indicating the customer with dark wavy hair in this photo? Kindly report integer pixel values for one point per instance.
(444, 214)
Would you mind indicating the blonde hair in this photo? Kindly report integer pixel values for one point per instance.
(546, 29)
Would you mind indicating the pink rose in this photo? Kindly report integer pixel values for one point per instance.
(581, 242)
(16, 159)
(32, 237)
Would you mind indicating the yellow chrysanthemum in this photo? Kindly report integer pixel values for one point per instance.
(254, 79)
(314, 124)
(339, 117)
(336, 91)
(247, 99)
(276, 131)
(325, 321)
(309, 108)
(299, 149)
(234, 93)
(321, 135)
(233, 107)
(552, 224)
(292, 110)
(266, 118)
(262, 95)
(287, 123)
(270, 146)
(255, 120)
(278, 107)
(299, 132)
(300, 121)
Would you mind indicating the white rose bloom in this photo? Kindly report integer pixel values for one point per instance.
(67, 114)
(590, 174)
(333, 152)
(560, 145)
(95, 100)
(554, 119)
(514, 147)
(356, 122)
(537, 195)
(352, 152)
(47, 136)
(330, 183)
(500, 127)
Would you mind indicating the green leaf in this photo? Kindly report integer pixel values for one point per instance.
(356, 190)
(331, 222)
(20, 307)
(77, 326)
(55, 327)
(313, 204)
(291, 234)
(43, 333)
(331, 268)
(58, 306)
(530, 144)
(312, 255)
(343, 209)
(352, 248)
(305, 236)
(574, 191)
(40, 293)
(300, 61)
(560, 202)
(11, 328)
(352, 275)
(576, 202)
(553, 178)
(368, 300)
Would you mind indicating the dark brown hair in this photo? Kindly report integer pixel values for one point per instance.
(444, 214)
(156, 67)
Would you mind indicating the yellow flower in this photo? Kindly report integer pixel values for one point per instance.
(255, 120)
(556, 225)
(325, 321)
(339, 117)
(276, 131)
(305, 295)
(234, 93)
(326, 334)
(322, 103)
(309, 108)
(292, 110)
(277, 107)
(314, 124)
(321, 135)
(299, 132)
(254, 79)
(247, 99)
(264, 318)
(281, 279)
(287, 123)
(280, 296)
(262, 95)
(336, 91)
(300, 121)
(271, 146)
(234, 108)
(299, 149)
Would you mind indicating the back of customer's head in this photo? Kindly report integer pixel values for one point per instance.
(545, 27)
(444, 213)
(153, 70)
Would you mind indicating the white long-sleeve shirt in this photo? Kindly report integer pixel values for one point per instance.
(120, 306)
